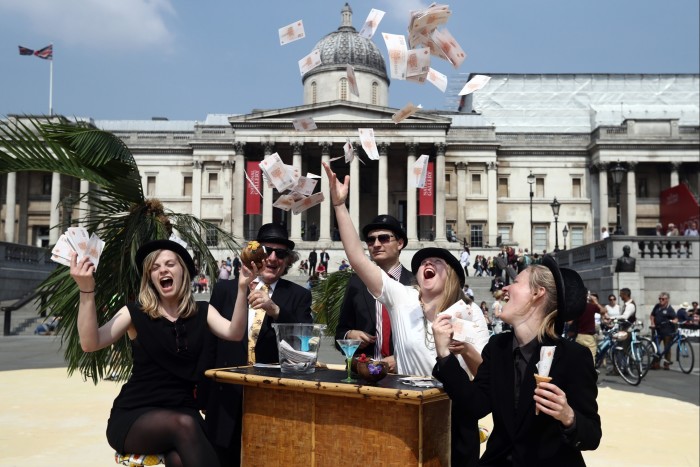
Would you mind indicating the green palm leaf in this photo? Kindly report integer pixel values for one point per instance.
(117, 212)
(327, 297)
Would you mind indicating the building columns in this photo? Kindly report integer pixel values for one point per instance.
(411, 196)
(54, 207)
(440, 233)
(492, 221)
(83, 207)
(238, 190)
(675, 166)
(355, 189)
(325, 233)
(227, 167)
(383, 188)
(267, 191)
(11, 207)
(460, 229)
(197, 188)
(603, 195)
(295, 234)
(631, 199)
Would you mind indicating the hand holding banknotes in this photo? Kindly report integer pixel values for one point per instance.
(82, 273)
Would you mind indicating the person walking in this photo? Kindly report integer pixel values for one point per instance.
(464, 260)
(663, 321)
(155, 411)
(313, 258)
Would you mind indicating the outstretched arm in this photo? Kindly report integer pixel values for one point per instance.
(234, 330)
(369, 272)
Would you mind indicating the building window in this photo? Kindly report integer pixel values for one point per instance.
(505, 233)
(187, 185)
(476, 235)
(503, 187)
(577, 234)
(375, 92)
(476, 184)
(212, 237)
(448, 179)
(213, 183)
(576, 187)
(47, 181)
(343, 89)
(539, 187)
(539, 238)
(642, 187)
(151, 185)
(313, 92)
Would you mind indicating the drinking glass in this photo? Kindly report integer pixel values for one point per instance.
(349, 346)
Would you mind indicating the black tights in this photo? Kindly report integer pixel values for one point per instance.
(178, 436)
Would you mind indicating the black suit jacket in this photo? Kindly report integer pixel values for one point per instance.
(224, 400)
(527, 438)
(358, 311)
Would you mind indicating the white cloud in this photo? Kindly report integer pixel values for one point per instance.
(97, 24)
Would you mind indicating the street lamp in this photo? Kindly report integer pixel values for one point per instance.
(617, 173)
(555, 210)
(565, 232)
(530, 181)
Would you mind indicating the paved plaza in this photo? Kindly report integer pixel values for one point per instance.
(51, 419)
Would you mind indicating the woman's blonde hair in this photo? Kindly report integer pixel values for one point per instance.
(148, 296)
(540, 276)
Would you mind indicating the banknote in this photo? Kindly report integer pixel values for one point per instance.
(368, 143)
(304, 124)
(77, 240)
(310, 62)
(408, 110)
(276, 172)
(371, 23)
(349, 151)
(477, 82)
(94, 249)
(305, 186)
(449, 46)
(284, 202)
(292, 32)
(437, 79)
(420, 172)
(352, 81)
(431, 17)
(417, 62)
(78, 237)
(396, 45)
(307, 202)
(62, 251)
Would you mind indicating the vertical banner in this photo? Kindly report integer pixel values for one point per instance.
(426, 196)
(253, 188)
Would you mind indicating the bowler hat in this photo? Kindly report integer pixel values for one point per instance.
(438, 253)
(274, 233)
(175, 247)
(385, 221)
(571, 292)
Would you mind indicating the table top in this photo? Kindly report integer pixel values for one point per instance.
(328, 381)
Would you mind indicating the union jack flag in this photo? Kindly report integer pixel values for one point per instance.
(46, 53)
(25, 51)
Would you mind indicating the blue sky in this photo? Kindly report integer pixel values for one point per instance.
(136, 59)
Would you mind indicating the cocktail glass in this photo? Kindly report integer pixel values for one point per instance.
(349, 346)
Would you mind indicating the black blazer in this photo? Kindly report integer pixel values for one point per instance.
(358, 310)
(224, 400)
(523, 438)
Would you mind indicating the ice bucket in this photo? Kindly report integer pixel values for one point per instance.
(298, 345)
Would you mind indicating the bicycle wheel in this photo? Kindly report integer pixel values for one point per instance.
(629, 369)
(685, 355)
(641, 353)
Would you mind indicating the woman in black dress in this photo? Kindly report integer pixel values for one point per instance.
(155, 412)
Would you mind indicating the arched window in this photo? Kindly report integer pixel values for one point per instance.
(313, 92)
(343, 89)
(375, 90)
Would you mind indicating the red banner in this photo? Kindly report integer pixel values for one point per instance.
(426, 196)
(253, 188)
(678, 206)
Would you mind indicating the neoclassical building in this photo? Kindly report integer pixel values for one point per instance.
(561, 132)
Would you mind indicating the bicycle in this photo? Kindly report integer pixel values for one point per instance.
(685, 355)
(642, 347)
(626, 361)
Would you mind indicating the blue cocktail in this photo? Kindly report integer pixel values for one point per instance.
(349, 346)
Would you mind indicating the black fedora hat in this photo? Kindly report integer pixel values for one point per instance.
(571, 292)
(438, 253)
(175, 247)
(385, 221)
(274, 233)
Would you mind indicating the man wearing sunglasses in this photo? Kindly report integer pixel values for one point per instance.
(283, 302)
(361, 316)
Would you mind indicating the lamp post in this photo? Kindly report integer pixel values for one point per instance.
(565, 232)
(555, 210)
(530, 181)
(617, 173)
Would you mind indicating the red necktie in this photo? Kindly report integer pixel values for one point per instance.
(386, 332)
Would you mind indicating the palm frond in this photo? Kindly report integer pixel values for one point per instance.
(327, 298)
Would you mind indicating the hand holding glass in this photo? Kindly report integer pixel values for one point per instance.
(349, 346)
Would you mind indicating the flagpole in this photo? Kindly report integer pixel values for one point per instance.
(51, 86)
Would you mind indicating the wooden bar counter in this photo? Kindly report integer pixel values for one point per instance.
(316, 420)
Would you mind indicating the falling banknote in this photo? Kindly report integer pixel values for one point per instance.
(276, 172)
(368, 143)
(292, 32)
(449, 46)
(352, 81)
(310, 62)
(408, 110)
(304, 124)
(306, 203)
(396, 45)
(474, 84)
(420, 172)
(437, 79)
(373, 19)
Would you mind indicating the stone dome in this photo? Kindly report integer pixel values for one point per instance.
(345, 46)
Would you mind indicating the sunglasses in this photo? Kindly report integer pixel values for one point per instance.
(180, 337)
(383, 238)
(663, 298)
(280, 253)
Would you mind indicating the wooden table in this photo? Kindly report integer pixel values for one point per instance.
(316, 420)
